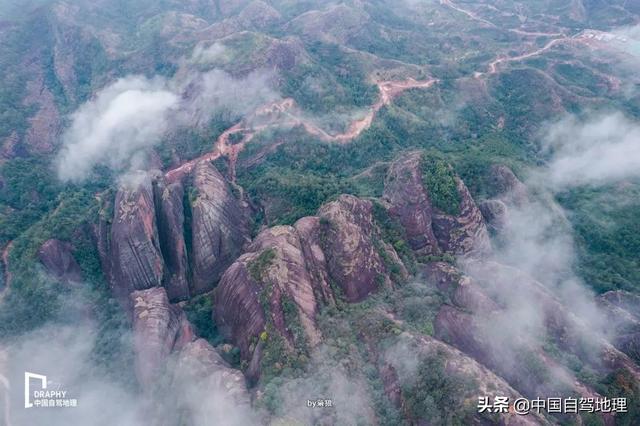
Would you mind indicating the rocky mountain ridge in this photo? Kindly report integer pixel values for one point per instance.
(266, 297)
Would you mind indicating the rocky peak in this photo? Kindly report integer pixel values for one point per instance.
(354, 251)
(219, 227)
(258, 14)
(171, 221)
(158, 329)
(57, 258)
(623, 311)
(465, 233)
(404, 191)
(271, 289)
(509, 191)
(430, 230)
(480, 380)
(279, 284)
(145, 245)
(134, 252)
(167, 353)
(463, 290)
(208, 388)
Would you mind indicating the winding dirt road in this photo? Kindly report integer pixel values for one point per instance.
(493, 66)
(283, 114)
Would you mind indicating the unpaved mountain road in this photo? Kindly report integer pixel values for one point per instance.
(283, 114)
(287, 115)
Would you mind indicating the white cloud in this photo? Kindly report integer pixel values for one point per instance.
(217, 90)
(600, 150)
(122, 120)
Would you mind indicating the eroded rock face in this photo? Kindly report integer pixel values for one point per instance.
(352, 248)
(471, 335)
(238, 312)
(409, 202)
(283, 278)
(219, 227)
(46, 123)
(207, 388)
(258, 14)
(623, 300)
(509, 192)
(170, 360)
(429, 230)
(623, 311)
(463, 291)
(273, 283)
(474, 331)
(289, 276)
(466, 233)
(494, 213)
(158, 328)
(405, 356)
(57, 258)
(134, 253)
(9, 146)
(310, 234)
(506, 184)
(170, 216)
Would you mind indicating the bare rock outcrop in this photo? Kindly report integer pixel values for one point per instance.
(57, 258)
(405, 356)
(238, 312)
(144, 244)
(462, 290)
(134, 251)
(506, 184)
(311, 238)
(9, 146)
(279, 284)
(259, 15)
(623, 311)
(410, 203)
(206, 387)
(523, 364)
(171, 360)
(45, 125)
(219, 227)
(355, 254)
(621, 299)
(159, 328)
(271, 287)
(170, 217)
(465, 233)
(494, 213)
(513, 290)
(428, 229)
(509, 192)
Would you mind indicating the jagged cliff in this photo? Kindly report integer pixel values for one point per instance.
(171, 241)
(162, 235)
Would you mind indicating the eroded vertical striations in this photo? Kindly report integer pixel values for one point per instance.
(135, 255)
(219, 227)
(170, 216)
(428, 229)
(464, 233)
(285, 276)
(410, 203)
